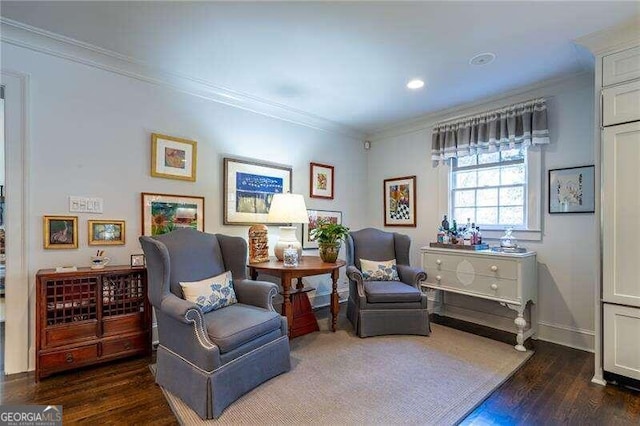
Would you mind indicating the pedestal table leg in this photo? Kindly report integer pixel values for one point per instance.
(286, 303)
(335, 301)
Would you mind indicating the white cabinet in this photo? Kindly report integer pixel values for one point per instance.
(620, 214)
(621, 104)
(621, 66)
(622, 340)
(509, 279)
(620, 172)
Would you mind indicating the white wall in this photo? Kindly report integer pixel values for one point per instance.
(90, 136)
(567, 252)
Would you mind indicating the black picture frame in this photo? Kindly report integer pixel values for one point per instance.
(571, 190)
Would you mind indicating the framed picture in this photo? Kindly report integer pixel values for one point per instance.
(314, 216)
(162, 213)
(321, 181)
(173, 158)
(138, 261)
(399, 196)
(572, 190)
(60, 232)
(106, 232)
(248, 189)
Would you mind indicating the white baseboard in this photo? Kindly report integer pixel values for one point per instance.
(564, 335)
(560, 334)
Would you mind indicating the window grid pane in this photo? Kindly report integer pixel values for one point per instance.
(490, 189)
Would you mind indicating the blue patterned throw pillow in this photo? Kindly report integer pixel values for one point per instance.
(211, 293)
(379, 270)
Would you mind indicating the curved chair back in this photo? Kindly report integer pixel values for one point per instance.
(374, 244)
(181, 255)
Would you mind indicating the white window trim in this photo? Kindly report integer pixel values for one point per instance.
(532, 231)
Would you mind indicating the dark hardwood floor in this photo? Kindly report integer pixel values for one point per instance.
(552, 388)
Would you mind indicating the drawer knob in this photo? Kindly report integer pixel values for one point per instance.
(494, 268)
(69, 358)
(438, 262)
(494, 286)
(438, 278)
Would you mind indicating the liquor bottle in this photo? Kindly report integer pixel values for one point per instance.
(474, 234)
(454, 228)
(440, 234)
(467, 237)
(479, 236)
(445, 223)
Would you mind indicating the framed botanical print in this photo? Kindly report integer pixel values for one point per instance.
(162, 213)
(249, 187)
(60, 232)
(321, 182)
(399, 196)
(572, 190)
(106, 232)
(314, 215)
(173, 158)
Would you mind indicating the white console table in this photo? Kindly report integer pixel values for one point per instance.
(507, 278)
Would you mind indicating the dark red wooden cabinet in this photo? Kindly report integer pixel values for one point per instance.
(90, 316)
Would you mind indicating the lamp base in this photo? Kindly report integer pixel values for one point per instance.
(287, 238)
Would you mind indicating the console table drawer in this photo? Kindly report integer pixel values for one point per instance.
(501, 288)
(490, 267)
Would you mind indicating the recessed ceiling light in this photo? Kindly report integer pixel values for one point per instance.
(415, 84)
(482, 59)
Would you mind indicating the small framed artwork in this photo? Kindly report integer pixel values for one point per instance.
(321, 181)
(162, 213)
(60, 232)
(572, 190)
(173, 158)
(106, 232)
(399, 196)
(138, 261)
(248, 189)
(314, 216)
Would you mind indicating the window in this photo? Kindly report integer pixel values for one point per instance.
(490, 189)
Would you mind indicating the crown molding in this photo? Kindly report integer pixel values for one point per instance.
(513, 96)
(39, 40)
(622, 36)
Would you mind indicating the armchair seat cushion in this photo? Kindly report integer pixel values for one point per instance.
(235, 325)
(390, 292)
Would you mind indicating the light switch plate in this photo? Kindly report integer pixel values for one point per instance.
(85, 204)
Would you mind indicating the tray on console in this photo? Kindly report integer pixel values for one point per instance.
(474, 247)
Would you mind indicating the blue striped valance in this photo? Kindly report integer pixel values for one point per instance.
(519, 125)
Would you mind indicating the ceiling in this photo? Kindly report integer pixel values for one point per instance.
(347, 62)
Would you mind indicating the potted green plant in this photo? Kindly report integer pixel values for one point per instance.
(329, 236)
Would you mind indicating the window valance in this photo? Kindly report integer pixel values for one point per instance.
(518, 125)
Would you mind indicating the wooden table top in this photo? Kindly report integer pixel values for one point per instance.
(306, 263)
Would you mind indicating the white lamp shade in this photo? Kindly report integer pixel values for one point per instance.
(288, 208)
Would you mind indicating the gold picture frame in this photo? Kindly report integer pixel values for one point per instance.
(107, 232)
(173, 158)
(60, 232)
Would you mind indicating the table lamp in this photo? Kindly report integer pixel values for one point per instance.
(287, 208)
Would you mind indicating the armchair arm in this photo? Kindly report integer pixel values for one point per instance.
(411, 275)
(256, 293)
(178, 308)
(355, 275)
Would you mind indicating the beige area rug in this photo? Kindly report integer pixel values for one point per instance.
(338, 378)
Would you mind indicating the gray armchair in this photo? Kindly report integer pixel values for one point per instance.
(385, 307)
(210, 360)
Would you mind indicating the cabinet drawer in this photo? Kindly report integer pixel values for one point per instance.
(621, 66)
(475, 284)
(133, 343)
(64, 359)
(621, 343)
(70, 333)
(621, 104)
(489, 266)
(120, 324)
